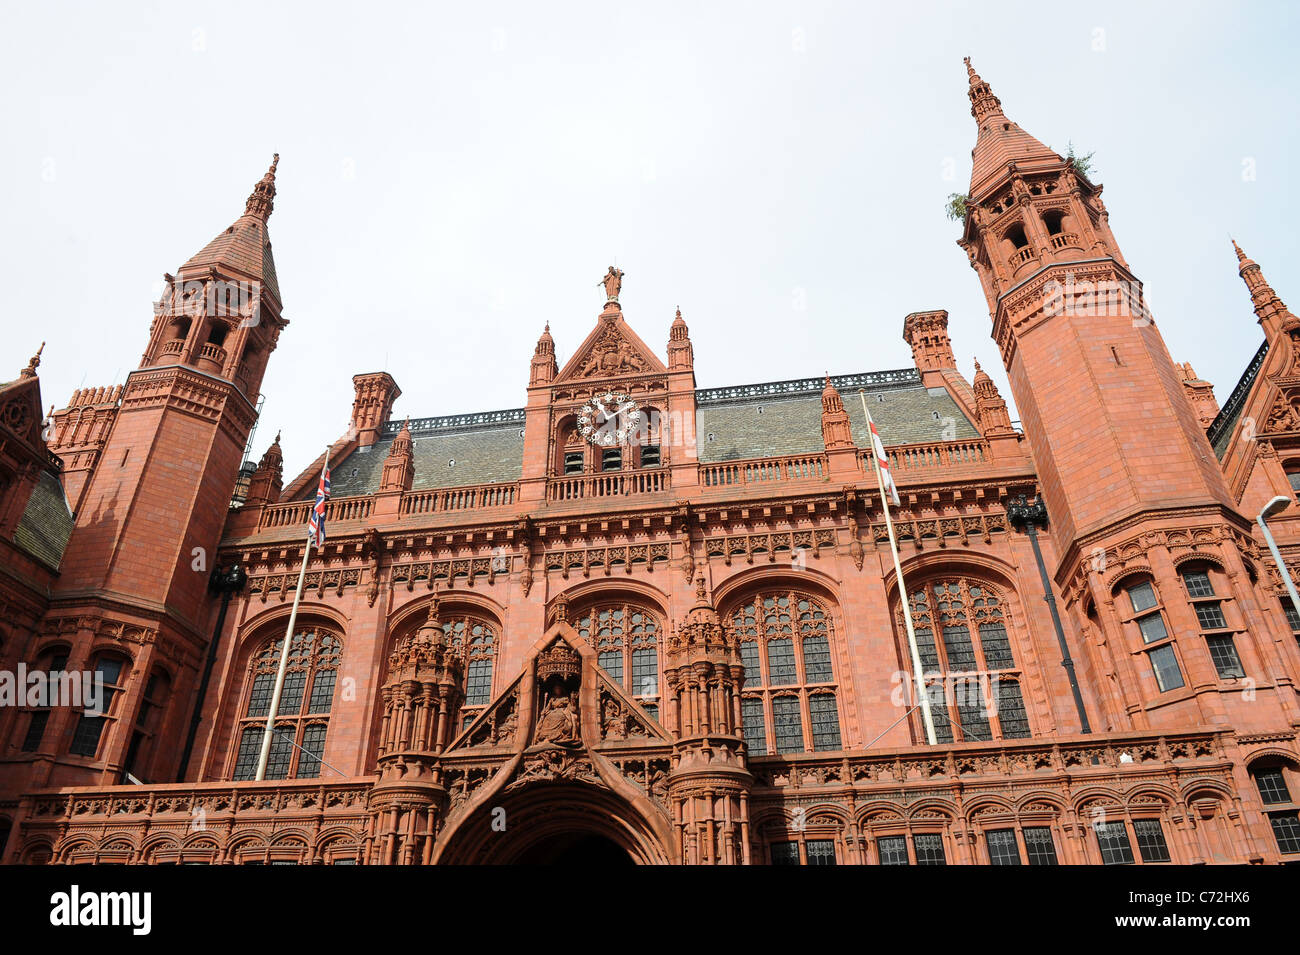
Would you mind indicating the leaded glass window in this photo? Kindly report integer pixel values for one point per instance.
(820, 851)
(1003, 848)
(972, 656)
(893, 850)
(1112, 839)
(1224, 654)
(1164, 663)
(1039, 845)
(789, 724)
(90, 729)
(1286, 830)
(1272, 786)
(1198, 584)
(1011, 710)
(786, 648)
(302, 717)
(626, 640)
(751, 713)
(476, 639)
(1151, 840)
(825, 721)
(929, 848)
(785, 853)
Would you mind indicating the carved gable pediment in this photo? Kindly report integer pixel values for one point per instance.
(612, 350)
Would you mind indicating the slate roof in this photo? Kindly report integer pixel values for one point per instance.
(46, 524)
(785, 417)
(1225, 423)
(746, 421)
(244, 247)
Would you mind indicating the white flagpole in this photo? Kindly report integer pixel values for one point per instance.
(284, 651)
(918, 679)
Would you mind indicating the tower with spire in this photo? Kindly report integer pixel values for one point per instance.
(160, 464)
(1120, 452)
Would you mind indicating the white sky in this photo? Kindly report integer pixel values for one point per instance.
(454, 176)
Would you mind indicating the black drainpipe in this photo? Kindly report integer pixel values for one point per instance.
(227, 583)
(1028, 517)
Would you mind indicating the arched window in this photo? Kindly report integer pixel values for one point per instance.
(1292, 469)
(111, 670)
(971, 673)
(1278, 784)
(147, 723)
(302, 718)
(1206, 586)
(476, 639)
(789, 702)
(1140, 605)
(626, 639)
(51, 663)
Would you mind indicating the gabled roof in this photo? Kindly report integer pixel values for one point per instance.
(611, 349)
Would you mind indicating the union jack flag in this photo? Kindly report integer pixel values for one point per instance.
(316, 528)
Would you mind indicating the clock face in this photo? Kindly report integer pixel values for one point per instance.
(609, 419)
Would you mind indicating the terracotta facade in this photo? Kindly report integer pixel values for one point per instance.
(641, 620)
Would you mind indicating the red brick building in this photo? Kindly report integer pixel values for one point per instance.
(637, 619)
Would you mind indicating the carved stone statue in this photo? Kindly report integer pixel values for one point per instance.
(613, 282)
(558, 722)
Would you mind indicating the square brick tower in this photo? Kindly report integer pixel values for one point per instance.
(132, 599)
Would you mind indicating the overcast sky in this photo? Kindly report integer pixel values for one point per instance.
(453, 177)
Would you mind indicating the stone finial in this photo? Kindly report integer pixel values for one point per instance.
(262, 200)
(30, 370)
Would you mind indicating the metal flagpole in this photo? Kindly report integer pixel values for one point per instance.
(284, 651)
(917, 677)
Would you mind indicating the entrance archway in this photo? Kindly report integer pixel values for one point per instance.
(554, 823)
(575, 848)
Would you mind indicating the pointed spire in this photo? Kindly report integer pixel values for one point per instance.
(681, 354)
(1000, 143)
(262, 200)
(982, 101)
(30, 370)
(544, 366)
(1269, 307)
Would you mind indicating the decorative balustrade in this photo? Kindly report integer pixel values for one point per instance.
(342, 510)
(933, 765)
(1020, 257)
(458, 498)
(1065, 240)
(810, 467)
(173, 347)
(946, 454)
(242, 822)
(609, 484)
(213, 353)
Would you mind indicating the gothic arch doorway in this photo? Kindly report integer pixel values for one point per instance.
(553, 823)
